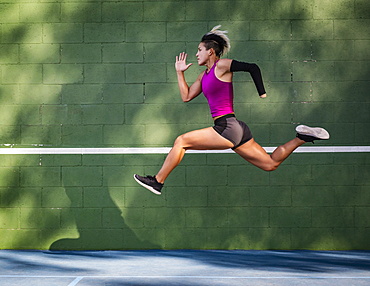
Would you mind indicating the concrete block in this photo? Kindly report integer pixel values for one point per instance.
(10, 13)
(312, 29)
(354, 29)
(333, 216)
(290, 50)
(136, 199)
(57, 160)
(123, 53)
(304, 196)
(276, 71)
(165, 11)
(104, 32)
(39, 12)
(85, 135)
(40, 218)
(361, 9)
(228, 196)
(206, 217)
(80, 12)
(245, 10)
(40, 176)
(42, 135)
(313, 71)
(103, 114)
(333, 50)
(104, 73)
(27, 33)
(361, 50)
(10, 134)
(122, 11)
(27, 114)
(82, 176)
(266, 112)
(271, 196)
(123, 93)
(62, 33)
(103, 160)
(180, 197)
(164, 217)
(336, 175)
(154, 52)
(183, 31)
(351, 70)
(80, 53)
(287, 10)
(58, 197)
(124, 135)
(61, 114)
(290, 217)
(200, 176)
(86, 218)
(206, 10)
(251, 51)
(247, 175)
(10, 218)
(22, 73)
(62, 74)
(248, 217)
(327, 9)
(38, 94)
(145, 32)
(312, 238)
(9, 53)
(270, 30)
(87, 94)
(119, 176)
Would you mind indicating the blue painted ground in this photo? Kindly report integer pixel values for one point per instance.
(184, 267)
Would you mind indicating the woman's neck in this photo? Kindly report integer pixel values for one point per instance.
(211, 63)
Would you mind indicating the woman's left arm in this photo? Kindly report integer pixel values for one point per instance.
(254, 71)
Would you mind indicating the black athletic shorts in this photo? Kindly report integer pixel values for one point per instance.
(233, 130)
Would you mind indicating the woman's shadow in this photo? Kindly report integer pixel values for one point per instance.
(101, 228)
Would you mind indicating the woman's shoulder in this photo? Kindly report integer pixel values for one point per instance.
(224, 64)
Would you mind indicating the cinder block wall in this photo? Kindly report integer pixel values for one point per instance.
(100, 73)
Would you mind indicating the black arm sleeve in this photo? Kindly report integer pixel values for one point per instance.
(254, 70)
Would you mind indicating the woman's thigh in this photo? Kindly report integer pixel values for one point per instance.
(204, 139)
(256, 155)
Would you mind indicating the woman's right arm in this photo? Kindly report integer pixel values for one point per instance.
(187, 93)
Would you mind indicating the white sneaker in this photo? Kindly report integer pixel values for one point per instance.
(309, 134)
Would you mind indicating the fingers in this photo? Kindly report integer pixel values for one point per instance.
(181, 57)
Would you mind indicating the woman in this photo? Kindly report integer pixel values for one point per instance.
(228, 132)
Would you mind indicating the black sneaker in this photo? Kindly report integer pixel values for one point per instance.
(149, 183)
(309, 134)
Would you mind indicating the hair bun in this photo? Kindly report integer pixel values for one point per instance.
(221, 34)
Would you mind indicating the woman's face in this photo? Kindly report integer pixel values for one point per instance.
(202, 54)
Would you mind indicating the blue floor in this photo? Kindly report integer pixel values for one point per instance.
(184, 267)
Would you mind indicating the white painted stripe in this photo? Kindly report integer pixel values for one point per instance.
(78, 279)
(75, 282)
(165, 150)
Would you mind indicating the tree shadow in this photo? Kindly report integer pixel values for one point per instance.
(82, 74)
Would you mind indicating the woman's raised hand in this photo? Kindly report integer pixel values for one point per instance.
(180, 64)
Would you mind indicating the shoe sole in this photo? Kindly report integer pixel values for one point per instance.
(146, 186)
(317, 132)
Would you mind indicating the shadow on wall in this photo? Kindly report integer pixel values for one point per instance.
(72, 75)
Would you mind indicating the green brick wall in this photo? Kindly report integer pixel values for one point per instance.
(100, 73)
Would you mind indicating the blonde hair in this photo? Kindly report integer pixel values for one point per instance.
(218, 40)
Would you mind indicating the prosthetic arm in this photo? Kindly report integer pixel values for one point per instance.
(254, 71)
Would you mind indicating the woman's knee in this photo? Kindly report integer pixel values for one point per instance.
(180, 141)
(270, 167)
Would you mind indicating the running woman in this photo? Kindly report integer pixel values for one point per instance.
(228, 132)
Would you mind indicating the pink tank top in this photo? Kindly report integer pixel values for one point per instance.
(218, 93)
